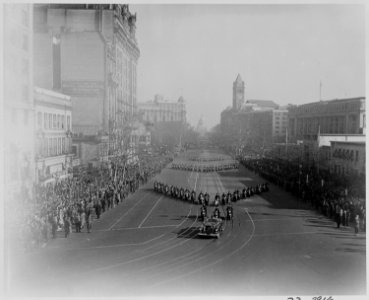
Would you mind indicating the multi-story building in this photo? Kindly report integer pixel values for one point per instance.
(17, 94)
(167, 120)
(258, 122)
(158, 110)
(90, 52)
(348, 158)
(339, 116)
(53, 124)
(316, 125)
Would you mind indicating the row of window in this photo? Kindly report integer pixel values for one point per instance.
(336, 107)
(52, 121)
(163, 118)
(53, 146)
(346, 154)
(341, 170)
(334, 124)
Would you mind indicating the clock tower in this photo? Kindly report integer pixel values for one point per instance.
(238, 93)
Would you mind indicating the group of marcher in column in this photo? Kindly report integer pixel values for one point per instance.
(188, 195)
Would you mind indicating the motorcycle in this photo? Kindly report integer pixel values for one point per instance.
(203, 214)
(229, 213)
(216, 213)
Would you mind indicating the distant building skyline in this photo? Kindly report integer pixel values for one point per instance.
(282, 52)
(160, 110)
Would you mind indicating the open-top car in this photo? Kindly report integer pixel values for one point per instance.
(211, 228)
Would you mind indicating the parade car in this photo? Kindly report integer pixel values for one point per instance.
(211, 228)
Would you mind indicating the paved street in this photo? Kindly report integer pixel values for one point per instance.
(148, 246)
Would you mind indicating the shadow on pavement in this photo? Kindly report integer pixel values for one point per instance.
(188, 233)
(351, 250)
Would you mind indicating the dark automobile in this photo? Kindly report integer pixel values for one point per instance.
(211, 228)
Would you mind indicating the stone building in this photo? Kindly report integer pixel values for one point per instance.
(257, 122)
(339, 116)
(348, 158)
(17, 95)
(166, 120)
(158, 110)
(90, 52)
(316, 125)
(53, 124)
(238, 93)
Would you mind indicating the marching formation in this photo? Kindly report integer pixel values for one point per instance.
(191, 196)
(206, 159)
(185, 166)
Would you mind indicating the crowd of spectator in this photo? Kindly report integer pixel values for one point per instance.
(343, 204)
(71, 204)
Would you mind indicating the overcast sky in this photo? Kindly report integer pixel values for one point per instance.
(281, 52)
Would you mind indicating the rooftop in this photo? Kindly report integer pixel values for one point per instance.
(324, 102)
(263, 103)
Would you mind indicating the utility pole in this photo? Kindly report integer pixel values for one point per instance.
(320, 90)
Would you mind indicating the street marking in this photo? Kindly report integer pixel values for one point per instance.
(213, 263)
(139, 258)
(112, 246)
(142, 227)
(138, 202)
(197, 177)
(148, 214)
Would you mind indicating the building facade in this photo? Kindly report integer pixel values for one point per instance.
(348, 158)
(257, 122)
(17, 46)
(340, 116)
(316, 125)
(159, 110)
(53, 124)
(91, 53)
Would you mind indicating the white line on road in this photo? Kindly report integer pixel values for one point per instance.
(133, 228)
(213, 263)
(145, 256)
(148, 214)
(197, 177)
(111, 246)
(117, 221)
